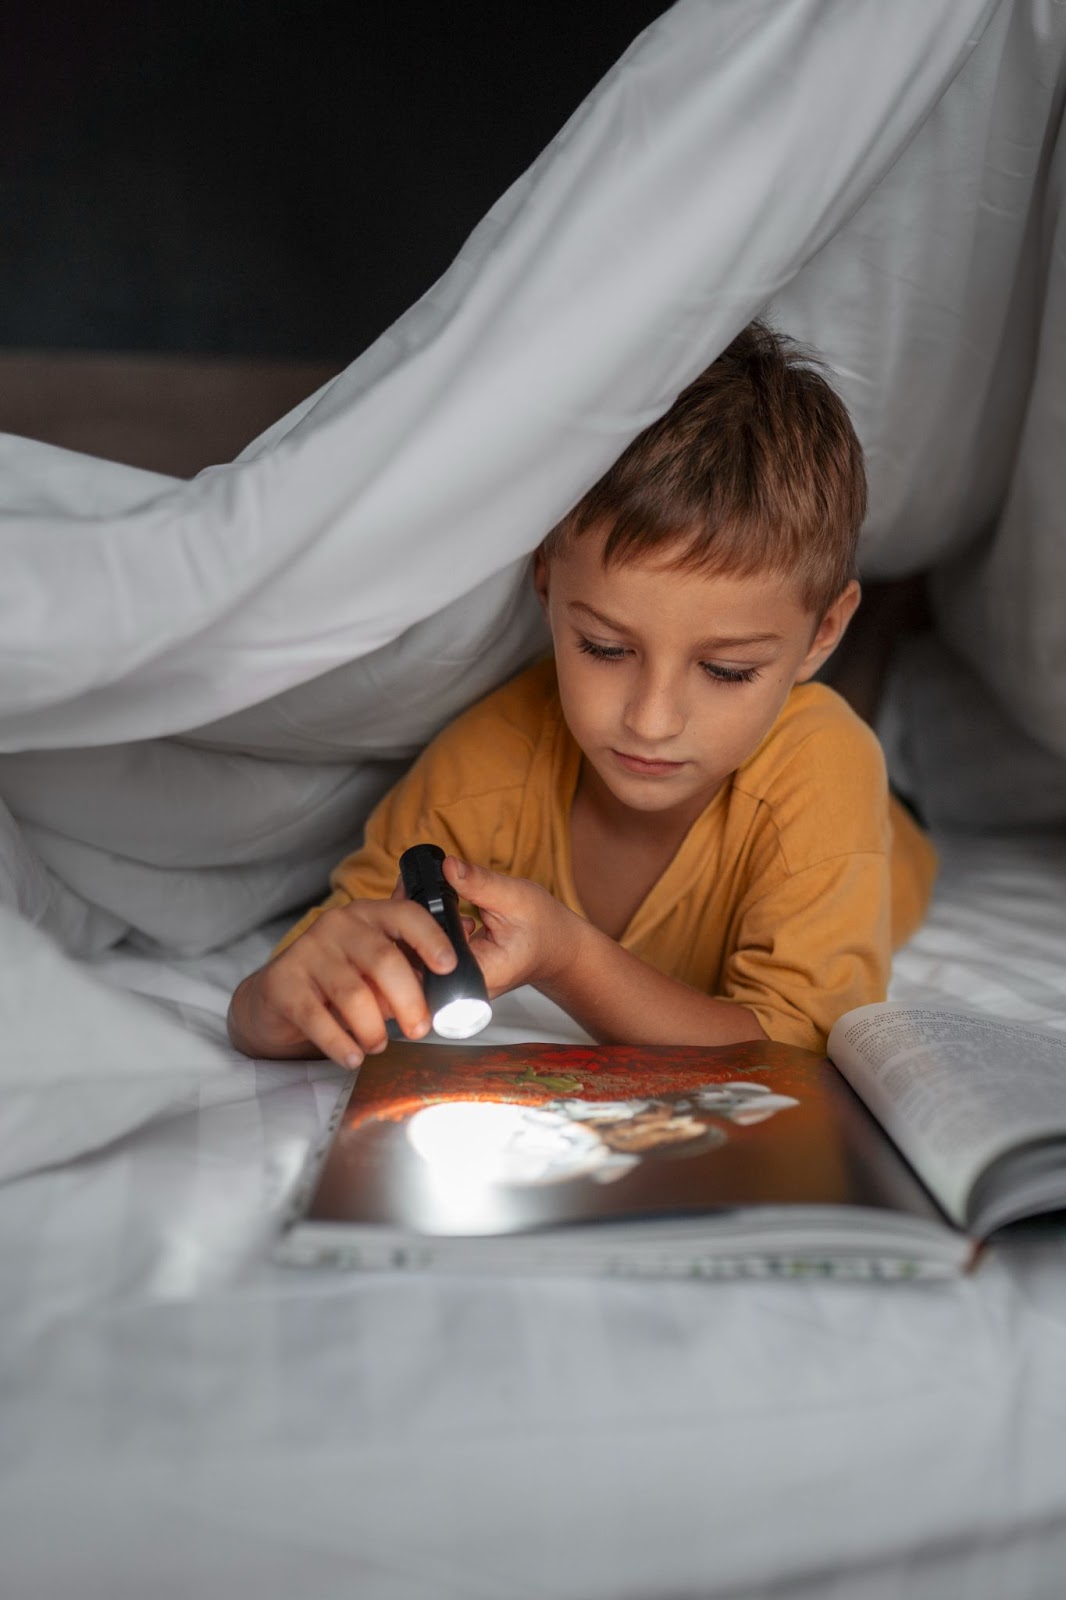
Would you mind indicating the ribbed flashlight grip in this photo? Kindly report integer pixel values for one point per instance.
(421, 868)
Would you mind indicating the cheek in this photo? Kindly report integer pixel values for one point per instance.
(588, 694)
(733, 721)
(765, 708)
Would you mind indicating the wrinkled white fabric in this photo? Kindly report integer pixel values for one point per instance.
(40, 898)
(1002, 603)
(208, 1424)
(727, 147)
(83, 1063)
(357, 576)
(203, 686)
(179, 1414)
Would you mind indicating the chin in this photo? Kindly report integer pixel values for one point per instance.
(644, 794)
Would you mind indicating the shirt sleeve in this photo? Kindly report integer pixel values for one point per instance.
(812, 947)
(811, 933)
(459, 794)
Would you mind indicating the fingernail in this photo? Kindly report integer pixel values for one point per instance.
(378, 1048)
(460, 868)
(354, 1060)
(420, 1030)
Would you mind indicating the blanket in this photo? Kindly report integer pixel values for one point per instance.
(205, 685)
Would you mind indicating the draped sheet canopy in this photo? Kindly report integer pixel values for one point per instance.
(204, 685)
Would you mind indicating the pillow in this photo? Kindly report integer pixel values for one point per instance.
(955, 752)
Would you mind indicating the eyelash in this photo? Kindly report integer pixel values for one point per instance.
(730, 674)
(600, 652)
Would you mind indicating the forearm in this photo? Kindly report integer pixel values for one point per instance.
(620, 999)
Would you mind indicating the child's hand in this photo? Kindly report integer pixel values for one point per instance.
(335, 985)
(527, 936)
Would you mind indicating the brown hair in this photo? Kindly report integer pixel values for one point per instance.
(755, 467)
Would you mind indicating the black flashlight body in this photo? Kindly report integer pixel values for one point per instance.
(458, 1000)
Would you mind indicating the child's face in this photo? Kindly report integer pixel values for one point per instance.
(669, 679)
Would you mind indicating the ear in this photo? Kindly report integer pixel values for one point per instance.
(830, 630)
(540, 576)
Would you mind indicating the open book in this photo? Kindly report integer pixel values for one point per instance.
(926, 1132)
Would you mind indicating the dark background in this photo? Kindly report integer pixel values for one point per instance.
(269, 181)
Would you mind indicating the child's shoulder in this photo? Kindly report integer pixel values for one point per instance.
(495, 740)
(820, 774)
(518, 708)
(813, 711)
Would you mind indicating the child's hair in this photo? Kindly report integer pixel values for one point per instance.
(754, 468)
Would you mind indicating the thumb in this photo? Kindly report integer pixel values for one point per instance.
(489, 891)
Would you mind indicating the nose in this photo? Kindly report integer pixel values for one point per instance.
(654, 711)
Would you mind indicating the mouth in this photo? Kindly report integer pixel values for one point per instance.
(647, 769)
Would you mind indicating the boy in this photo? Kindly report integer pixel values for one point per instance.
(668, 829)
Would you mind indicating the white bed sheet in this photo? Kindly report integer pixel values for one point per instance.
(178, 1417)
(182, 1418)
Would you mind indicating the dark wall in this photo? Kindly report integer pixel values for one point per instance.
(279, 181)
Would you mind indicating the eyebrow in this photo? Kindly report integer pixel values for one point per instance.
(705, 644)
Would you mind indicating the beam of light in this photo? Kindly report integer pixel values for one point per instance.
(462, 1018)
(478, 1143)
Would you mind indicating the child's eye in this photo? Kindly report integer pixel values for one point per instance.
(729, 674)
(601, 652)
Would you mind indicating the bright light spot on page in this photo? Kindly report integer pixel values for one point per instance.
(472, 1142)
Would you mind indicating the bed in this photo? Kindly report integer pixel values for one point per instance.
(183, 1418)
(205, 685)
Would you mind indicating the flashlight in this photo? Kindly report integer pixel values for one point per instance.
(457, 1000)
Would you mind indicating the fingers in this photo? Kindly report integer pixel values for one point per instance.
(487, 890)
(496, 968)
(320, 1022)
(503, 903)
(335, 986)
(520, 923)
(337, 983)
(366, 976)
(295, 1005)
(411, 923)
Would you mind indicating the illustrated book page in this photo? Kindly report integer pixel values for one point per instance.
(579, 1143)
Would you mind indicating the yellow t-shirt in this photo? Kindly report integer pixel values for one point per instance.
(787, 894)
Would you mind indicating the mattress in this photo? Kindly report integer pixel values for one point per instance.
(181, 1417)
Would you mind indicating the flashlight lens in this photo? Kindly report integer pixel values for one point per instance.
(461, 1018)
